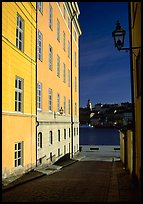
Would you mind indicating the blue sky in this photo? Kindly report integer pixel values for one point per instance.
(104, 71)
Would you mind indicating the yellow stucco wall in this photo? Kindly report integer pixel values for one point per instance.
(136, 42)
(49, 78)
(121, 146)
(129, 151)
(17, 127)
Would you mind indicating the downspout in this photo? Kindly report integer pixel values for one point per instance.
(37, 123)
(71, 96)
(132, 98)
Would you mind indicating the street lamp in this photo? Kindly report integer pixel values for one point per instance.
(118, 35)
(61, 111)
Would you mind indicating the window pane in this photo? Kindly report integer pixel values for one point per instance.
(19, 154)
(19, 106)
(19, 162)
(15, 155)
(15, 163)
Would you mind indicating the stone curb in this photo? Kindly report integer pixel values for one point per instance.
(12, 185)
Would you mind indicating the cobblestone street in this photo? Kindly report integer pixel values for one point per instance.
(83, 181)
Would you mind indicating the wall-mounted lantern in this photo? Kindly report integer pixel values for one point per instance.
(118, 35)
(61, 111)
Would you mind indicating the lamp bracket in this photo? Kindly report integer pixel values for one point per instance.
(127, 48)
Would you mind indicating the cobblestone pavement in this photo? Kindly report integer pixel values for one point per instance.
(83, 181)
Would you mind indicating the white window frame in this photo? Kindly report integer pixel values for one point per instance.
(76, 109)
(58, 102)
(75, 58)
(39, 96)
(50, 17)
(65, 134)
(40, 6)
(50, 97)
(50, 137)
(19, 94)
(75, 84)
(64, 11)
(64, 41)
(59, 135)
(69, 49)
(64, 72)
(64, 104)
(20, 33)
(39, 140)
(59, 152)
(69, 74)
(18, 154)
(50, 57)
(58, 30)
(58, 66)
(69, 106)
(40, 45)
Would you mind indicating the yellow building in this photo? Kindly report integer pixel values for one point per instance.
(18, 87)
(131, 139)
(136, 58)
(58, 34)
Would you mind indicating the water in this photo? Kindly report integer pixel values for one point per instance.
(98, 136)
(101, 144)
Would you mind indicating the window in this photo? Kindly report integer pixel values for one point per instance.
(50, 99)
(64, 104)
(75, 84)
(51, 156)
(50, 57)
(64, 73)
(75, 59)
(69, 24)
(75, 108)
(69, 132)
(69, 147)
(75, 36)
(69, 106)
(40, 6)
(64, 12)
(69, 48)
(64, 41)
(58, 66)
(58, 30)
(59, 136)
(18, 154)
(64, 133)
(58, 102)
(77, 130)
(68, 78)
(19, 33)
(18, 94)
(64, 149)
(50, 137)
(74, 132)
(58, 152)
(50, 16)
(39, 96)
(39, 46)
(39, 142)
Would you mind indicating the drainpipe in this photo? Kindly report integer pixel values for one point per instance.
(72, 122)
(71, 96)
(132, 97)
(37, 123)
